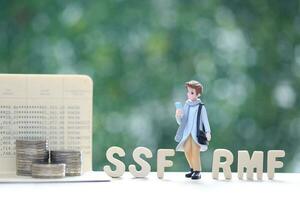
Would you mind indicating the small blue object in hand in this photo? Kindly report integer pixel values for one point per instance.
(178, 105)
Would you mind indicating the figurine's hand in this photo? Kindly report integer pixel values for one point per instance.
(208, 136)
(179, 113)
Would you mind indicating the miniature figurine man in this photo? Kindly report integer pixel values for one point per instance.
(194, 132)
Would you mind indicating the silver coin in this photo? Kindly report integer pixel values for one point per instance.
(48, 170)
(29, 151)
(72, 159)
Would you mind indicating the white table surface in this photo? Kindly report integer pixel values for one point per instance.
(173, 186)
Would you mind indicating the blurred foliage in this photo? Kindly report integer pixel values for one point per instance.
(140, 53)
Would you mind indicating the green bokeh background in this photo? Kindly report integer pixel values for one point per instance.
(140, 53)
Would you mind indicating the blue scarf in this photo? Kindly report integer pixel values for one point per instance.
(188, 104)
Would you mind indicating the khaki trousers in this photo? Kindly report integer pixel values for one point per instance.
(192, 153)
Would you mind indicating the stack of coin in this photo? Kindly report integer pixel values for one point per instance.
(28, 152)
(72, 159)
(47, 170)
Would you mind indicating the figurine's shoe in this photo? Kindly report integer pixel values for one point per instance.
(196, 175)
(189, 175)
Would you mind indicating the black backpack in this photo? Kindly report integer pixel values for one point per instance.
(201, 137)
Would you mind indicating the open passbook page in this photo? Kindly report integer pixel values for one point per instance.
(56, 108)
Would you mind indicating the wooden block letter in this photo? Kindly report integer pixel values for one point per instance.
(145, 167)
(273, 163)
(120, 167)
(256, 161)
(162, 162)
(217, 164)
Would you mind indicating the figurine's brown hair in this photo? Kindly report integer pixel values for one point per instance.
(195, 85)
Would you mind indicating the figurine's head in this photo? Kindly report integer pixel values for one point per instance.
(194, 89)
